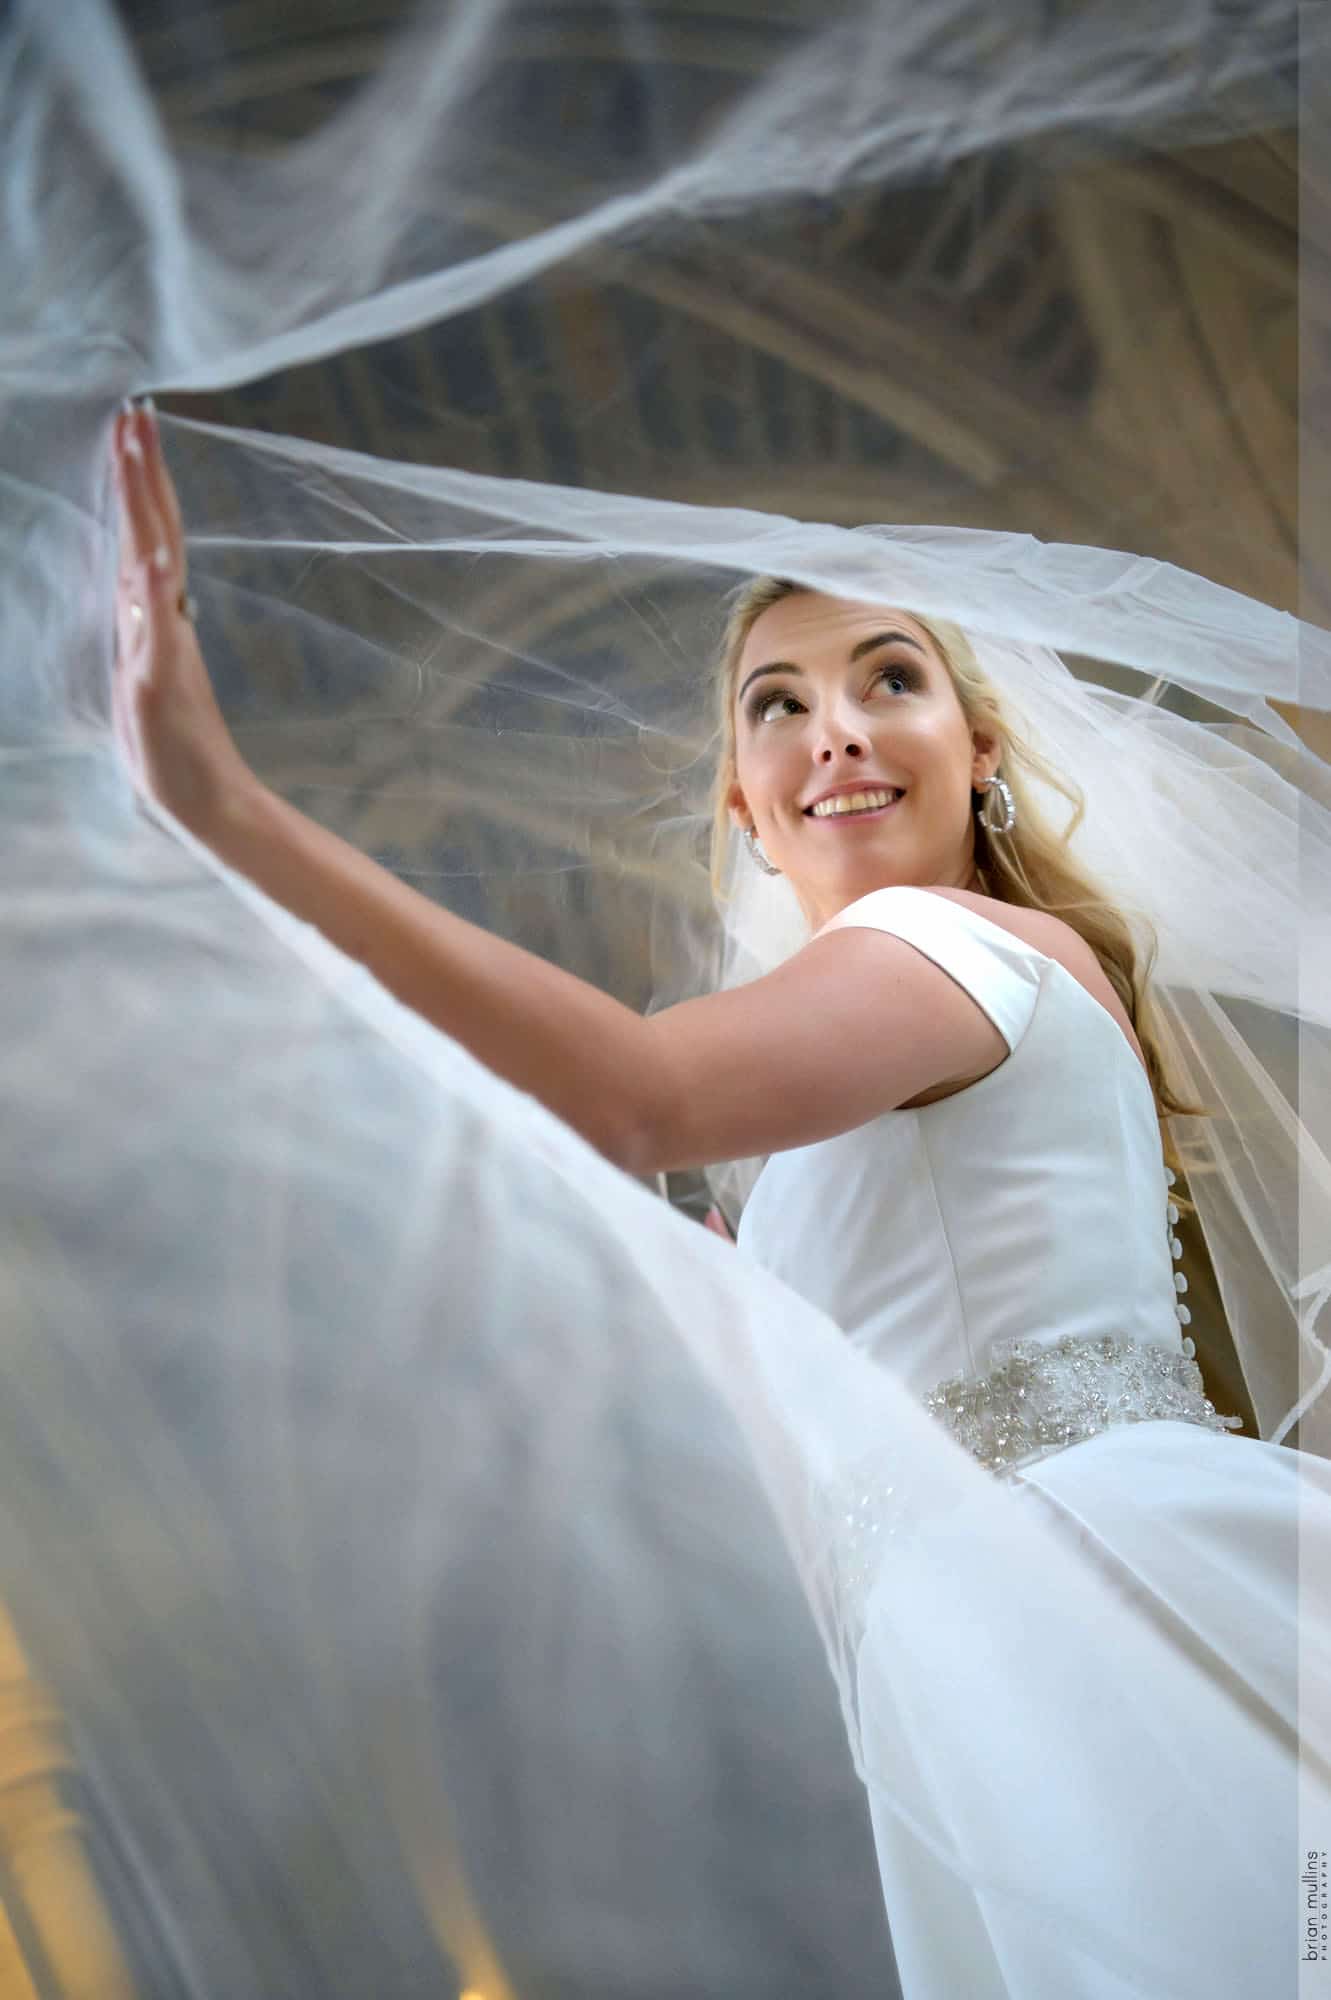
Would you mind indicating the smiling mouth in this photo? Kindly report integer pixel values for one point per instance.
(868, 804)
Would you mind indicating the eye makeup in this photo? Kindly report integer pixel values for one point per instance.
(763, 697)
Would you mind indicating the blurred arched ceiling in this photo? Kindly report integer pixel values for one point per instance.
(1086, 339)
(1083, 341)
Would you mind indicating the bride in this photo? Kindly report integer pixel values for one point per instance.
(962, 1096)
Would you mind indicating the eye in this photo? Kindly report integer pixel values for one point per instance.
(907, 675)
(765, 707)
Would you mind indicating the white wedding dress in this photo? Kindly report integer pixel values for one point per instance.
(1006, 1252)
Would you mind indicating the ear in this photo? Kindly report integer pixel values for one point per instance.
(986, 759)
(737, 806)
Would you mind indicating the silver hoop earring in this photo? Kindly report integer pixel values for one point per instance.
(751, 841)
(1004, 791)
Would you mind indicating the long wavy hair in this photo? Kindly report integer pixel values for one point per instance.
(1031, 867)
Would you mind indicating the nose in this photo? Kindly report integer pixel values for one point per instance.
(840, 736)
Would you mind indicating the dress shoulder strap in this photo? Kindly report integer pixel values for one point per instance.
(1001, 972)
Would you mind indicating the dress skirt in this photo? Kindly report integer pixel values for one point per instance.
(1173, 1813)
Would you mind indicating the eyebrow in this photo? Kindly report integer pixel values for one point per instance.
(857, 653)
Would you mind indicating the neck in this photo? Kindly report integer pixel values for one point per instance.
(822, 910)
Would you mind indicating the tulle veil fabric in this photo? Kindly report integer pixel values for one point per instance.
(419, 1523)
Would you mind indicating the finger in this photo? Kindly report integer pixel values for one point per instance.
(161, 555)
(122, 717)
(141, 528)
(162, 487)
(135, 625)
(125, 538)
(119, 703)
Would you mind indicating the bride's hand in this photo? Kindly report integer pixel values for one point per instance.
(167, 721)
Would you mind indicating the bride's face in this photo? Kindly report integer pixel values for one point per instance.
(834, 698)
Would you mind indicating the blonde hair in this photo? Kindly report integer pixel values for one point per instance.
(1029, 868)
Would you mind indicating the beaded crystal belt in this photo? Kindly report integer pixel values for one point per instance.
(1046, 1395)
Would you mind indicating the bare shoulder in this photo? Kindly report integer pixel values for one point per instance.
(1057, 940)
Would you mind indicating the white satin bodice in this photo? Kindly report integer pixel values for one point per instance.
(1031, 1205)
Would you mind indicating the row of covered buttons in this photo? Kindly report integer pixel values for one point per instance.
(1176, 1251)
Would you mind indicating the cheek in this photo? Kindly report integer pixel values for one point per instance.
(762, 767)
(931, 734)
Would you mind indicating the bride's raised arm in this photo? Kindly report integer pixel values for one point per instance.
(852, 1026)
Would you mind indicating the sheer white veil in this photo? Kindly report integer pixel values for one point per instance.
(418, 1522)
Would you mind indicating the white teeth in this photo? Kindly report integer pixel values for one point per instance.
(850, 802)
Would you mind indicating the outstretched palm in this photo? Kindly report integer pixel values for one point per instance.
(167, 721)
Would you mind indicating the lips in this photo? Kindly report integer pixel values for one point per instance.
(855, 802)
